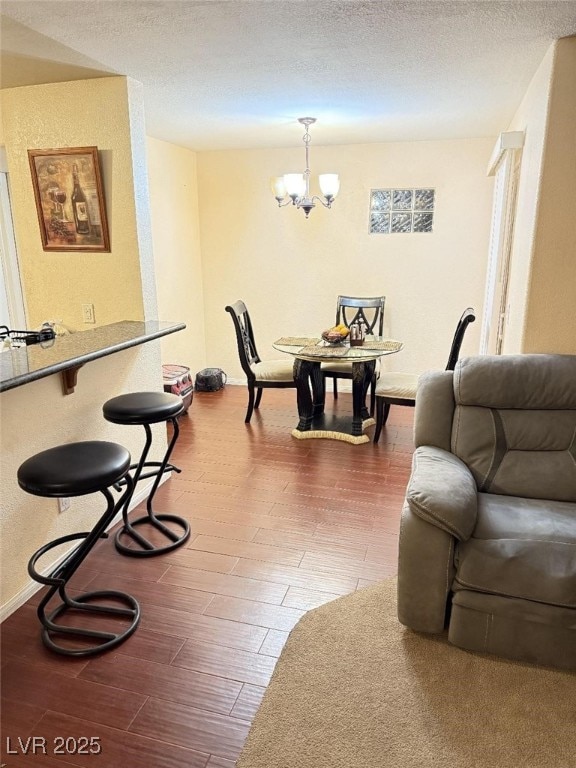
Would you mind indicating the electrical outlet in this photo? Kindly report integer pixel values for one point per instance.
(88, 313)
(63, 504)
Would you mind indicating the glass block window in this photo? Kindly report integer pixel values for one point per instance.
(401, 210)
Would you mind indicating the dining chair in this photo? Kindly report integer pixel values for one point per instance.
(259, 374)
(370, 312)
(398, 388)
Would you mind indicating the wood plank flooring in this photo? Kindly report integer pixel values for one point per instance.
(279, 527)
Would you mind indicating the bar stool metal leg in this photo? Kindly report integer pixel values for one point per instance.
(83, 604)
(175, 539)
(153, 533)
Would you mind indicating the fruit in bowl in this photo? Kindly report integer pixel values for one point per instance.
(336, 335)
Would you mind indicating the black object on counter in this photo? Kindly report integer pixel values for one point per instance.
(27, 337)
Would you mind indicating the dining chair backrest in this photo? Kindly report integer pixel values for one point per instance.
(370, 311)
(244, 336)
(468, 316)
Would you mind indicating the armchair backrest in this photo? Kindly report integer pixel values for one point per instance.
(244, 336)
(514, 424)
(352, 309)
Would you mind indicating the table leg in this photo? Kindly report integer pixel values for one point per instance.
(303, 374)
(369, 368)
(318, 389)
(362, 373)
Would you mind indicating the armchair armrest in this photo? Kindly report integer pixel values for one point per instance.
(441, 506)
(442, 491)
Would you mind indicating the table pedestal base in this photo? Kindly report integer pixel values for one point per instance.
(314, 422)
(318, 431)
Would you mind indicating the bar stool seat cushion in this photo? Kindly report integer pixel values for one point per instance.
(142, 408)
(74, 469)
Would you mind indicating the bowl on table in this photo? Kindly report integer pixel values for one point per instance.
(335, 337)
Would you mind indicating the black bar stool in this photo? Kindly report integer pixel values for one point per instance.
(148, 408)
(78, 469)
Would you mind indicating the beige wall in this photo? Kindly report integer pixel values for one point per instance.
(289, 270)
(77, 114)
(176, 240)
(108, 114)
(542, 292)
(531, 118)
(550, 324)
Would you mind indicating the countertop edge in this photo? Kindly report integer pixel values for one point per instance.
(79, 360)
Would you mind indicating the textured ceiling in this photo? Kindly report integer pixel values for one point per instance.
(238, 73)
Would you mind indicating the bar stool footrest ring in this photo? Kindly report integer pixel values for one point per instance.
(147, 548)
(81, 603)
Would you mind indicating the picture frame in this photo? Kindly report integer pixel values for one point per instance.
(69, 199)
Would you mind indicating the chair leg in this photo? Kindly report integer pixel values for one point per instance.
(382, 411)
(258, 397)
(373, 397)
(386, 412)
(335, 380)
(250, 404)
(379, 417)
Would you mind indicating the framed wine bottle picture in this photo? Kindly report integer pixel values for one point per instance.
(69, 199)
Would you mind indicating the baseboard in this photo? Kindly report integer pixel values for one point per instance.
(32, 587)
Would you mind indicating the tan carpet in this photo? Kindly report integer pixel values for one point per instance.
(355, 689)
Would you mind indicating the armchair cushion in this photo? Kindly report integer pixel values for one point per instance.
(515, 424)
(521, 548)
(442, 491)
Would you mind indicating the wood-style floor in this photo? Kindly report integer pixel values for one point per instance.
(279, 526)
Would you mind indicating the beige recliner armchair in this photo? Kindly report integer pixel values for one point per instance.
(488, 534)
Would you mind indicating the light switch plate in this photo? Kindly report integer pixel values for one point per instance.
(88, 313)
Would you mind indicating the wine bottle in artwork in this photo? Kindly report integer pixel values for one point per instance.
(79, 205)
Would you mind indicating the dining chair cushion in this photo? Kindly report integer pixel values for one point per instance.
(273, 370)
(398, 385)
(345, 367)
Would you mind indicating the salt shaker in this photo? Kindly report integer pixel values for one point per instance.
(356, 339)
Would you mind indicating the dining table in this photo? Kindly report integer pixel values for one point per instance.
(309, 353)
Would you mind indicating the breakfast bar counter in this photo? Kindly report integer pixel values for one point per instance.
(67, 354)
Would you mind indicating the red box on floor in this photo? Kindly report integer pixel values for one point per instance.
(177, 380)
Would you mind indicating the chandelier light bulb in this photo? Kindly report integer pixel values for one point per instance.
(278, 187)
(295, 184)
(329, 185)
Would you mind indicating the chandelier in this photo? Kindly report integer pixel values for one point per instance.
(297, 185)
